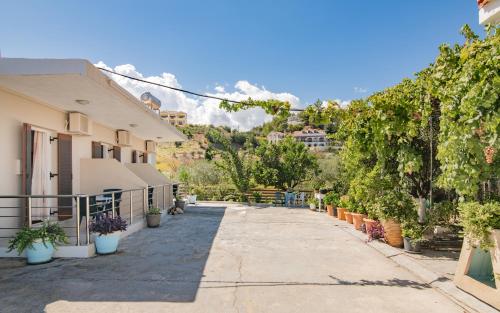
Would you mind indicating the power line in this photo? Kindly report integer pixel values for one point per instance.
(177, 89)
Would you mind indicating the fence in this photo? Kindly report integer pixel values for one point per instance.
(75, 212)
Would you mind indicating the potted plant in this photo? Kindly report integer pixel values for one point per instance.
(108, 230)
(344, 201)
(331, 198)
(392, 207)
(412, 235)
(348, 210)
(376, 231)
(313, 202)
(38, 242)
(180, 203)
(369, 221)
(357, 217)
(153, 217)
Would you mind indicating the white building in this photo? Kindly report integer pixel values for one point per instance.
(68, 130)
(489, 11)
(313, 138)
(275, 137)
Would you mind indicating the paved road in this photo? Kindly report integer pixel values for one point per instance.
(218, 259)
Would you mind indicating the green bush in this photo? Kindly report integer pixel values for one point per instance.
(332, 198)
(395, 204)
(412, 229)
(47, 232)
(479, 220)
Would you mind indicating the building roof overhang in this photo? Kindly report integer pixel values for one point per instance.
(59, 83)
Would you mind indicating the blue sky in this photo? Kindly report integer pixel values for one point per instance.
(311, 49)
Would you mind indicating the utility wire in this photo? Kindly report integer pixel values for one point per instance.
(177, 89)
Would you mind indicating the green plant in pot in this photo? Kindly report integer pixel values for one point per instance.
(180, 202)
(313, 203)
(153, 217)
(331, 199)
(479, 221)
(39, 242)
(413, 233)
(108, 230)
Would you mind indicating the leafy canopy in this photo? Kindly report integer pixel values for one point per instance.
(284, 165)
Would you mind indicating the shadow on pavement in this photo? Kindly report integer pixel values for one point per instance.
(162, 264)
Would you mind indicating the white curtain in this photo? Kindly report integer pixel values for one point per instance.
(40, 183)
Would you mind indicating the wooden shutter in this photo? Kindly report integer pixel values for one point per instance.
(26, 166)
(96, 150)
(26, 159)
(144, 157)
(117, 153)
(65, 176)
(134, 156)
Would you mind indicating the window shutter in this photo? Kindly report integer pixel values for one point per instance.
(26, 165)
(134, 156)
(145, 158)
(117, 153)
(96, 150)
(26, 159)
(65, 176)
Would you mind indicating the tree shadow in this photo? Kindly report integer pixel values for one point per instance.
(162, 264)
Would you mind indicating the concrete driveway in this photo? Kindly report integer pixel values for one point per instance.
(225, 258)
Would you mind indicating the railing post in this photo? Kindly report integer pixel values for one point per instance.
(78, 220)
(29, 212)
(131, 208)
(163, 196)
(87, 222)
(113, 204)
(155, 192)
(145, 202)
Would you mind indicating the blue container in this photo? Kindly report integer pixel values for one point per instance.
(107, 244)
(39, 252)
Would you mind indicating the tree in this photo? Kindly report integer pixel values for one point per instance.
(467, 81)
(236, 164)
(285, 164)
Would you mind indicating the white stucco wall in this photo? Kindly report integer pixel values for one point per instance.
(16, 110)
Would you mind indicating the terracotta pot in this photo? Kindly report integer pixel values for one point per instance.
(392, 233)
(369, 223)
(329, 209)
(341, 214)
(357, 220)
(348, 217)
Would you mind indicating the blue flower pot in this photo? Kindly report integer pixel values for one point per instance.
(39, 252)
(107, 244)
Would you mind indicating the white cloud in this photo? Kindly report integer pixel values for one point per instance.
(219, 89)
(342, 103)
(360, 90)
(201, 110)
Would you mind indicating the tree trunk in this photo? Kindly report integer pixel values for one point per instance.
(421, 209)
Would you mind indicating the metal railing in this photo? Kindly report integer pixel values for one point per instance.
(17, 211)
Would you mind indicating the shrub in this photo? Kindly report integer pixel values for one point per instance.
(412, 229)
(479, 220)
(376, 232)
(332, 198)
(395, 204)
(257, 196)
(47, 232)
(154, 211)
(104, 224)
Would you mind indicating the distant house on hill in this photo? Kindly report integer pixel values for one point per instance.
(313, 138)
(294, 119)
(275, 137)
(176, 118)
